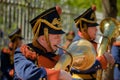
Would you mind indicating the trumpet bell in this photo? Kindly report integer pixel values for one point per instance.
(110, 25)
(84, 54)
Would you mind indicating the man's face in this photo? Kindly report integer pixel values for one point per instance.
(19, 42)
(55, 39)
(92, 32)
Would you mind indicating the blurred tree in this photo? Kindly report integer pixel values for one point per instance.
(110, 8)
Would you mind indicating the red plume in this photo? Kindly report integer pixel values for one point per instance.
(59, 10)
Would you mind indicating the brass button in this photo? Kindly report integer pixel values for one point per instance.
(116, 65)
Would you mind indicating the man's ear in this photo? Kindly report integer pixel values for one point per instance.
(84, 30)
(41, 38)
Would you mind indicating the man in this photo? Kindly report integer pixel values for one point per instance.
(7, 55)
(69, 37)
(86, 23)
(116, 54)
(35, 61)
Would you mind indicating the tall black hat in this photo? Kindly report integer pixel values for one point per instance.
(87, 19)
(48, 20)
(15, 34)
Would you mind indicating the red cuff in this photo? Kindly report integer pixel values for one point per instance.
(52, 74)
(102, 61)
(5, 50)
(117, 43)
(11, 72)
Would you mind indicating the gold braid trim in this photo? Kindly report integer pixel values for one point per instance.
(36, 30)
(84, 29)
(37, 26)
(47, 38)
(15, 44)
(12, 57)
(83, 19)
(85, 26)
(49, 24)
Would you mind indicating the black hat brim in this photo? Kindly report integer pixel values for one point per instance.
(52, 31)
(21, 38)
(93, 25)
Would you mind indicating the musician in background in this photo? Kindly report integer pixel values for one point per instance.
(7, 54)
(86, 24)
(69, 37)
(116, 54)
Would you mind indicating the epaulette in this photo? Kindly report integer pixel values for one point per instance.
(28, 52)
(5, 51)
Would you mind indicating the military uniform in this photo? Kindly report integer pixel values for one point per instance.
(32, 61)
(116, 54)
(7, 64)
(85, 20)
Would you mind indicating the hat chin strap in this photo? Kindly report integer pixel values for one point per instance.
(47, 38)
(84, 32)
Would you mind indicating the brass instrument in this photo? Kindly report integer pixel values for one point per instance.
(109, 28)
(83, 56)
(117, 33)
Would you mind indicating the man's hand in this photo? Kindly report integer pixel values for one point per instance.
(109, 58)
(11, 72)
(64, 75)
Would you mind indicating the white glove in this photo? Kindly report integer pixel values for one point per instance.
(64, 75)
(109, 58)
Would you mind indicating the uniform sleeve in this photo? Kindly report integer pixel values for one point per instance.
(5, 63)
(25, 69)
(116, 53)
(102, 61)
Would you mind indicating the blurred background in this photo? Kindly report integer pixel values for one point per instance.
(18, 13)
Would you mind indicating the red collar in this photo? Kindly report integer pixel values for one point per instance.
(80, 34)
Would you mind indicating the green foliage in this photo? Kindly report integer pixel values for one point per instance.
(83, 3)
(1, 19)
(118, 6)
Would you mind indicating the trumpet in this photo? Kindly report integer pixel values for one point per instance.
(109, 28)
